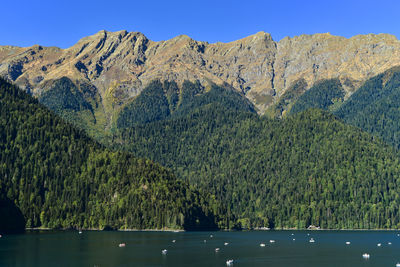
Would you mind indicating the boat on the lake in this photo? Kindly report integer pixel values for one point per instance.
(229, 262)
(122, 245)
(365, 256)
(262, 245)
(164, 251)
(312, 240)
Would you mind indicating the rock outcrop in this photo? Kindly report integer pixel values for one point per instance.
(120, 64)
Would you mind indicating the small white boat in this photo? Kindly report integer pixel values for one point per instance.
(262, 245)
(217, 250)
(397, 264)
(1, 236)
(292, 234)
(173, 241)
(272, 241)
(205, 241)
(211, 236)
(389, 243)
(348, 243)
(312, 240)
(226, 243)
(229, 262)
(294, 239)
(122, 245)
(379, 244)
(80, 232)
(164, 251)
(365, 256)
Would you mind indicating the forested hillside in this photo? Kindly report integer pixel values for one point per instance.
(162, 100)
(326, 94)
(375, 107)
(78, 104)
(306, 169)
(59, 178)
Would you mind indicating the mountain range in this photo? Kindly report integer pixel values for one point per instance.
(254, 133)
(118, 65)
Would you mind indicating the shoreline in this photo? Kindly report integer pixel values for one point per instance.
(316, 230)
(102, 230)
(182, 231)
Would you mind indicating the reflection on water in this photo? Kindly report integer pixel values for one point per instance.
(253, 248)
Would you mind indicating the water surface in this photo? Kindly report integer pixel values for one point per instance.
(94, 248)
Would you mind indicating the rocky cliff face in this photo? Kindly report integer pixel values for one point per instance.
(120, 64)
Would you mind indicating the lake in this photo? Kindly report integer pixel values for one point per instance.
(96, 248)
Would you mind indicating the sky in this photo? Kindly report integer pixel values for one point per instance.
(62, 23)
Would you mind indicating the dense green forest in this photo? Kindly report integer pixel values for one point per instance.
(162, 100)
(79, 104)
(252, 171)
(59, 178)
(150, 105)
(326, 94)
(65, 96)
(375, 107)
(309, 168)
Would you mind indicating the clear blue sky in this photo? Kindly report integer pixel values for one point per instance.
(62, 23)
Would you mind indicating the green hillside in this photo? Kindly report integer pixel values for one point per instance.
(159, 101)
(306, 169)
(78, 104)
(326, 95)
(309, 168)
(59, 178)
(375, 107)
(151, 105)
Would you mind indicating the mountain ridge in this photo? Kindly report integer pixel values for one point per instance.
(120, 64)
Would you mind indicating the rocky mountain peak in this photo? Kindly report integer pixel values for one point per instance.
(122, 63)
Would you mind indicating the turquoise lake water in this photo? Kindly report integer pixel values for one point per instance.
(95, 248)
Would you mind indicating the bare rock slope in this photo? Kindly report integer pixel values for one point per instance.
(120, 64)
